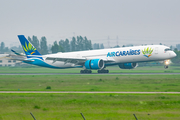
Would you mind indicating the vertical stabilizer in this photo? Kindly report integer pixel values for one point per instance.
(28, 48)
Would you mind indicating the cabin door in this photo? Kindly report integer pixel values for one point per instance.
(156, 50)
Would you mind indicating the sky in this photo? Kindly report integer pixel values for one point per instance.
(110, 22)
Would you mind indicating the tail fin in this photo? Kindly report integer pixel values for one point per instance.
(28, 48)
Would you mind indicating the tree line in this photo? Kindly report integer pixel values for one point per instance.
(76, 44)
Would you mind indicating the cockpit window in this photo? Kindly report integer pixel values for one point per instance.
(167, 49)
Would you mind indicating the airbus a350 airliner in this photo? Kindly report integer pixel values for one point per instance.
(125, 58)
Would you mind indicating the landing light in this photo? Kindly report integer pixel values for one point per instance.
(167, 62)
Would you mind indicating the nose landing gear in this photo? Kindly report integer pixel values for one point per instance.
(166, 66)
(166, 63)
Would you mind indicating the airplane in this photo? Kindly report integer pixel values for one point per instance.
(125, 57)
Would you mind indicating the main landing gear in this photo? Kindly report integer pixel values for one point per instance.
(89, 71)
(85, 71)
(103, 71)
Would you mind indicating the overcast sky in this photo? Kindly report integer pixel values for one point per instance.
(122, 21)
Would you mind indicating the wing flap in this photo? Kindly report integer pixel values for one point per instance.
(67, 60)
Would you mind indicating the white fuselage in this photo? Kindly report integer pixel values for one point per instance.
(131, 55)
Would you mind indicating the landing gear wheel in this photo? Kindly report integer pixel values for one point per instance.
(85, 71)
(82, 71)
(166, 66)
(103, 71)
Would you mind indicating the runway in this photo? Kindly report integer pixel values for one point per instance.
(61, 92)
(89, 74)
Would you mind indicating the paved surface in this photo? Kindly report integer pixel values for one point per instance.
(88, 92)
(89, 74)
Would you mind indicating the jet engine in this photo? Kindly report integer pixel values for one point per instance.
(128, 65)
(94, 64)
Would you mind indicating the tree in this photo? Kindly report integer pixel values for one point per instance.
(2, 47)
(56, 48)
(6, 49)
(66, 46)
(117, 46)
(61, 42)
(35, 42)
(79, 43)
(96, 46)
(175, 49)
(178, 46)
(89, 45)
(29, 38)
(176, 59)
(101, 46)
(86, 43)
(73, 44)
(171, 47)
(43, 45)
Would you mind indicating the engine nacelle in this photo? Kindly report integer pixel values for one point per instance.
(128, 65)
(94, 64)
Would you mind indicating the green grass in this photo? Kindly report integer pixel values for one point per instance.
(114, 69)
(142, 83)
(93, 106)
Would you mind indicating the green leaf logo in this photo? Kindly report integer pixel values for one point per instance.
(147, 51)
(29, 48)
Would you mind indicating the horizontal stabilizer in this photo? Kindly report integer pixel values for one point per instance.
(24, 60)
(17, 53)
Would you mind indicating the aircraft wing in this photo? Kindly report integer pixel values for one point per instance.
(78, 61)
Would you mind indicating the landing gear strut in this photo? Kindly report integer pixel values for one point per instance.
(85, 71)
(103, 71)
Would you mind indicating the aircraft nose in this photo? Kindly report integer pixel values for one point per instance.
(174, 54)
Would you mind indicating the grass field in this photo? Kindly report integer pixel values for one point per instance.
(142, 83)
(93, 106)
(114, 69)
